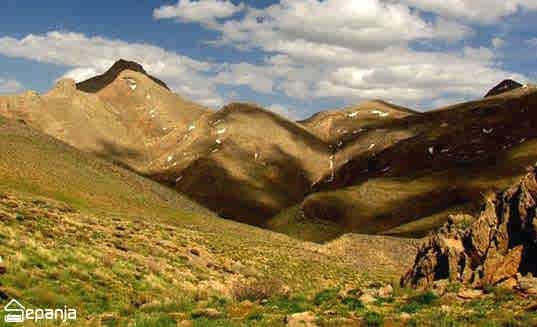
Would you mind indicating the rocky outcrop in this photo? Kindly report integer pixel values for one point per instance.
(498, 247)
(505, 86)
(99, 82)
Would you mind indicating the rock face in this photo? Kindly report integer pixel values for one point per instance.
(97, 83)
(497, 248)
(505, 86)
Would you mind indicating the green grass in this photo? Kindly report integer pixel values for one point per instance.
(419, 302)
(79, 231)
(325, 296)
(373, 319)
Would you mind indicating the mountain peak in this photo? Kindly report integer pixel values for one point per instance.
(97, 83)
(504, 86)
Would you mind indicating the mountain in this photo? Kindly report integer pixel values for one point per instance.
(427, 166)
(98, 83)
(341, 125)
(371, 168)
(106, 196)
(122, 117)
(244, 162)
(505, 86)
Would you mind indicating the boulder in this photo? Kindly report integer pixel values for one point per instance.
(470, 294)
(498, 245)
(302, 319)
(527, 284)
(385, 291)
(367, 299)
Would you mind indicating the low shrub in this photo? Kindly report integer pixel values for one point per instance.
(258, 289)
(325, 296)
(373, 319)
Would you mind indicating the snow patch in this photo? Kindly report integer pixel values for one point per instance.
(131, 83)
(380, 113)
(352, 114)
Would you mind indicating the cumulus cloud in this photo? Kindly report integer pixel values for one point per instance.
(88, 56)
(497, 43)
(284, 111)
(304, 25)
(246, 74)
(353, 50)
(202, 11)
(9, 86)
(480, 11)
(349, 50)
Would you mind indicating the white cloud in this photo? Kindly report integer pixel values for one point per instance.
(481, 11)
(82, 73)
(87, 56)
(450, 30)
(284, 111)
(353, 50)
(497, 43)
(245, 74)
(9, 86)
(304, 25)
(202, 11)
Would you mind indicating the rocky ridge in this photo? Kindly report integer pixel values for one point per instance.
(498, 248)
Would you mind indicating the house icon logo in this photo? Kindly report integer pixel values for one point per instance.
(14, 312)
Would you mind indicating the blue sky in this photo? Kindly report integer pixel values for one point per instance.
(295, 57)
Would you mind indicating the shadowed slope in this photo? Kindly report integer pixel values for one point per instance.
(442, 160)
(243, 161)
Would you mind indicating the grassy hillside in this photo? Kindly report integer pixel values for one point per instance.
(79, 231)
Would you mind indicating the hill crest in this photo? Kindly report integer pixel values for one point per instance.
(99, 82)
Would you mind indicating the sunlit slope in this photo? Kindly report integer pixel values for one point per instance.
(121, 120)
